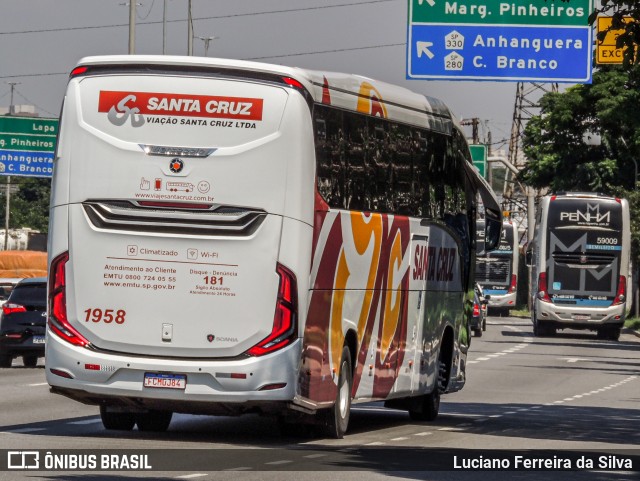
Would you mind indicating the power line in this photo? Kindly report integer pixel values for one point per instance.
(217, 17)
(326, 51)
(298, 54)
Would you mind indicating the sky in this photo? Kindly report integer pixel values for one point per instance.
(42, 40)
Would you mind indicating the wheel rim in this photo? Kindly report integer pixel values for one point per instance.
(344, 392)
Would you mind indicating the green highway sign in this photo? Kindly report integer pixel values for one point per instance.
(479, 157)
(499, 12)
(27, 142)
(27, 146)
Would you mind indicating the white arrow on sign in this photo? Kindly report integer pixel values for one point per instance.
(423, 48)
(430, 2)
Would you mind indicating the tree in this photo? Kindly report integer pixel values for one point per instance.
(560, 156)
(30, 204)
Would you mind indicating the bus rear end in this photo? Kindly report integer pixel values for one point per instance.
(181, 206)
(497, 270)
(583, 264)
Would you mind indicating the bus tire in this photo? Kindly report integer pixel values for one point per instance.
(154, 421)
(611, 333)
(120, 421)
(5, 360)
(336, 418)
(30, 360)
(429, 406)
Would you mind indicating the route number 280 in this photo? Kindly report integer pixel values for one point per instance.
(105, 315)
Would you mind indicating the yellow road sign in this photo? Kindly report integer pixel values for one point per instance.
(606, 51)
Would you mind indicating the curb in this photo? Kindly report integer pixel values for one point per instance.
(628, 330)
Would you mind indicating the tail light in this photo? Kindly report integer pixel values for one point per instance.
(8, 308)
(514, 283)
(622, 289)
(58, 322)
(476, 309)
(543, 294)
(285, 320)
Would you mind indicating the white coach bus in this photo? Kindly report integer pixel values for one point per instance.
(497, 270)
(580, 264)
(231, 237)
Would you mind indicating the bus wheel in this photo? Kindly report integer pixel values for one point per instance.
(337, 418)
(30, 360)
(428, 407)
(155, 421)
(610, 333)
(5, 360)
(120, 421)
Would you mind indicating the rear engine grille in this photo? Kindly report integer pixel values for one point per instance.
(579, 258)
(493, 270)
(186, 219)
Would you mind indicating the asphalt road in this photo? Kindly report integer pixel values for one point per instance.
(565, 396)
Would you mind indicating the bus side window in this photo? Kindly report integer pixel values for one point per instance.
(356, 154)
(330, 157)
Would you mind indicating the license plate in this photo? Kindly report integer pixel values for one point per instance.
(38, 339)
(581, 317)
(165, 381)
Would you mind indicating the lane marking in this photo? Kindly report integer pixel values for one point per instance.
(313, 456)
(375, 443)
(424, 433)
(283, 461)
(399, 439)
(38, 384)
(191, 476)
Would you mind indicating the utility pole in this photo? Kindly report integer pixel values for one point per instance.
(8, 192)
(207, 41)
(164, 28)
(189, 32)
(132, 27)
(474, 122)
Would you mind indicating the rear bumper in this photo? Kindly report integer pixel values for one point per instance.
(16, 347)
(579, 317)
(117, 379)
(502, 300)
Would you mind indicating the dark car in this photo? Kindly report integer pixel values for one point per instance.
(23, 322)
(478, 322)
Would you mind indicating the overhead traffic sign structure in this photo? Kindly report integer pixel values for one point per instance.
(538, 40)
(27, 146)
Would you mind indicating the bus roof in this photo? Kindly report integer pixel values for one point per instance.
(347, 91)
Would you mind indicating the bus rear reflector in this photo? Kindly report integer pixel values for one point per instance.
(58, 322)
(622, 289)
(514, 283)
(285, 319)
(61, 373)
(271, 387)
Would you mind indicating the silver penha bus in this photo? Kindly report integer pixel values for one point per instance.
(580, 264)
